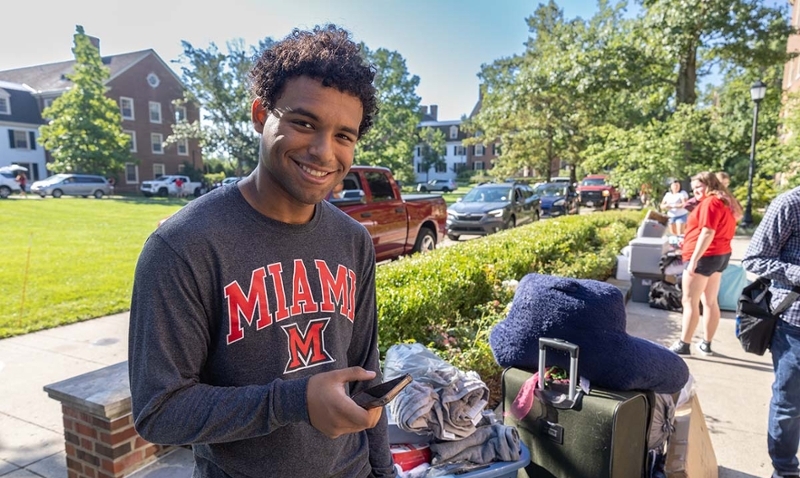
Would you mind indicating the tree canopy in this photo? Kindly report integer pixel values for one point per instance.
(84, 133)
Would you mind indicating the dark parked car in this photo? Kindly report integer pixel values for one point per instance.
(492, 207)
(558, 199)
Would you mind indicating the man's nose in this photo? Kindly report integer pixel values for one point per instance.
(322, 147)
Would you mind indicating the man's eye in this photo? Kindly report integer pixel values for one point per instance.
(304, 124)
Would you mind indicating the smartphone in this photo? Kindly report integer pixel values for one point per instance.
(381, 394)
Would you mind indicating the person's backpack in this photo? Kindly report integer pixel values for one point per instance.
(755, 319)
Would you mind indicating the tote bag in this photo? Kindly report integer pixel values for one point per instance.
(755, 319)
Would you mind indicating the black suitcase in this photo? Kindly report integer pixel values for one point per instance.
(602, 434)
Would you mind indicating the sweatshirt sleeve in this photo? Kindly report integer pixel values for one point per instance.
(364, 352)
(168, 344)
(763, 255)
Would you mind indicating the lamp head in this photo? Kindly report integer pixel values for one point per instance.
(757, 91)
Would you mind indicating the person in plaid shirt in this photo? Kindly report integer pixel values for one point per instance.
(774, 252)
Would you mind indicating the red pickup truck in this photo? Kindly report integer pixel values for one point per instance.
(595, 191)
(399, 225)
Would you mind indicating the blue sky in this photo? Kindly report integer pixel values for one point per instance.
(444, 42)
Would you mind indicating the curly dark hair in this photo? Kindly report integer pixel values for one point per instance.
(327, 54)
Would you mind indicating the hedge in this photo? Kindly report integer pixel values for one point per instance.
(450, 298)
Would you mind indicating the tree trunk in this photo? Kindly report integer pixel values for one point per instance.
(687, 76)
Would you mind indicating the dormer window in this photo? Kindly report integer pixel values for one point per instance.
(454, 132)
(5, 103)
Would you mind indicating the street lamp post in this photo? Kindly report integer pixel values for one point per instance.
(757, 92)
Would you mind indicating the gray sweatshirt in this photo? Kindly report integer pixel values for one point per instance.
(231, 313)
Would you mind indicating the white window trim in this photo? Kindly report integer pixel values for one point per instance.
(454, 132)
(150, 111)
(122, 110)
(478, 163)
(6, 96)
(161, 167)
(180, 108)
(135, 170)
(27, 139)
(132, 134)
(481, 148)
(160, 142)
(185, 142)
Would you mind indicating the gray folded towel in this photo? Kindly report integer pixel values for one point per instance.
(496, 442)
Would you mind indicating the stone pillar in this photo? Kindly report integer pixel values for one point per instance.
(100, 440)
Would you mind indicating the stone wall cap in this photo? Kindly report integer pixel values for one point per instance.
(104, 392)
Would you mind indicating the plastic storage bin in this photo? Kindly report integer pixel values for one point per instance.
(651, 228)
(640, 286)
(622, 268)
(646, 253)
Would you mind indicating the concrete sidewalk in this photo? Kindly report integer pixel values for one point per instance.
(733, 388)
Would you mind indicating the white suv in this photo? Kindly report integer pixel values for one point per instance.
(8, 183)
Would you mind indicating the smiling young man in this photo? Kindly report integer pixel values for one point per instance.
(253, 316)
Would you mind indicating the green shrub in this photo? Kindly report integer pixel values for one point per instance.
(449, 299)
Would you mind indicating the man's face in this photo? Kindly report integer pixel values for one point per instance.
(307, 141)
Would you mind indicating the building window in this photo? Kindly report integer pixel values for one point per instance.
(158, 170)
(441, 167)
(495, 149)
(18, 139)
(454, 132)
(153, 80)
(126, 108)
(181, 168)
(131, 173)
(5, 103)
(419, 151)
(156, 145)
(155, 112)
(478, 166)
(459, 151)
(183, 147)
(479, 150)
(132, 134)
(180, 114)
(419, 167)
(48, 102)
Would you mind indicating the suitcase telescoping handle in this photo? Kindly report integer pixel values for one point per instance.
(573, 350)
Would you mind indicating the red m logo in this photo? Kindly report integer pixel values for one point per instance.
(307, 349)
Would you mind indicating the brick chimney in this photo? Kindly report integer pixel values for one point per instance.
(423, 110)
(95, 41)
(435, 112)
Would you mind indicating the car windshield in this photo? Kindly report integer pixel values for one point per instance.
(551, 190)
(488, 194)
(593, 182)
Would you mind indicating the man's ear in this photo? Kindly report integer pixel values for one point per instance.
(259, 115)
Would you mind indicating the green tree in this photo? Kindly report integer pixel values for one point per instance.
(85, 132)
(218, 82)
(391, 141)
(699, 34)
(432, 142)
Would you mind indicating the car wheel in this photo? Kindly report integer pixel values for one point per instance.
(57, 193)
(445, 190)
(98, 194)
(536, 215)
(84, 196)
(163, 192)
(453, 237)
(197, 192)
(5, 191)
(426, 241)
(423, 189)
(616, 205)
(511, 223)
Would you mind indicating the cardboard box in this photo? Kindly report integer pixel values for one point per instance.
(690, 453)
(657, 216)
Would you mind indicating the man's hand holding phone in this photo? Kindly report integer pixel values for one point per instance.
(381, 394)
(331, 410)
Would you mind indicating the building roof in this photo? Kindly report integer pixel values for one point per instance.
(52, 76)
(24, 106)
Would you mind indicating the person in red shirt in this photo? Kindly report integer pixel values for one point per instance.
(706, 251)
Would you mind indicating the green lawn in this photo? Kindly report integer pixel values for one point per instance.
(82, 256)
